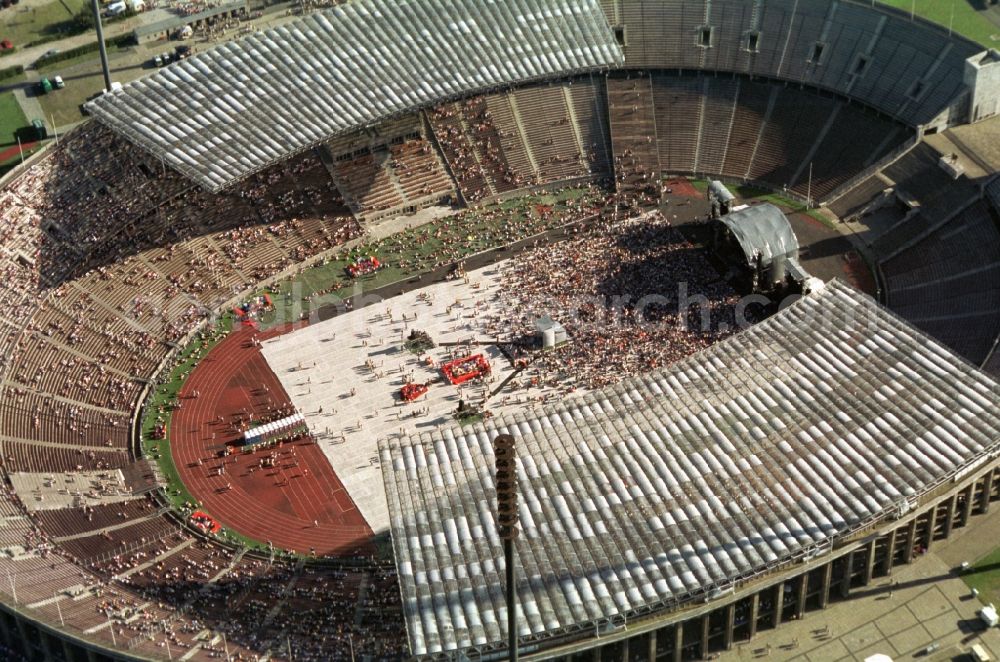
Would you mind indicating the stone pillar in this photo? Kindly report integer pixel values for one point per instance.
(845, 581)
(679, 642)
(728, 636)
(966, 510)
(949, 515)
(931, 524)
(754, 610)
(704, 635)
(870, 562)
(890, 552)
(911, 540)
(596, 655)
(26, 642)
(800, 602)
(984, 499)
(824, 588)
(651, 652)
(779, 603)
(46, 640)
(5, 631)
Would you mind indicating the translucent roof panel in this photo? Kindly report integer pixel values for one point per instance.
(672, 486)
(344, 69)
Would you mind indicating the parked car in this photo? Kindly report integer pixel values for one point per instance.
(115, 9)
(44, 86)
(6, 45)
(51, 52)
(58, 82)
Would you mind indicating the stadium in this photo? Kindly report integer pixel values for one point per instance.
(267, 311)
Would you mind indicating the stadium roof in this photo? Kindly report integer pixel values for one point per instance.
(762, 449)
(243, 105)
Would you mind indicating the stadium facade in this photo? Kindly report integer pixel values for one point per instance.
(769, 449)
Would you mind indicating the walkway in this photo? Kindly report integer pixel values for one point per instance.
(928, 605)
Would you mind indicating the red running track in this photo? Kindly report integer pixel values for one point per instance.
(300, 504)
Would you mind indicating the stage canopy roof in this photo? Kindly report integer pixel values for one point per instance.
(673, 486)
(243, 105)
(763, 230)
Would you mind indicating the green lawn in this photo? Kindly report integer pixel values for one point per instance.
(160, 405)
(959, 14)
(985, 576)
(746, 192)
(23, 25)
(11, 119)
(407, 255)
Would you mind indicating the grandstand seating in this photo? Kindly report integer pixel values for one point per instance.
(633, 131)
(396, 169)
(909, 69)
(918, 177)
(948, 283)
(748, 130)
(530, 136)
(750, 116)
(105, 263)
(365, 180)
(590, 112)
(64, 522)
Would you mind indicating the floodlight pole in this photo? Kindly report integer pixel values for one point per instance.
(507, 519)
(96, 9)
(508, 556)
(809, 190)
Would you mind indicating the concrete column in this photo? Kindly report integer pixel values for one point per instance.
(949, 516)
(870, 562)
(651, 652)
(800, 602)
(704, 636)
(595, 656)
(890, 552)
(931, 524)
(966, 510)
(911, 535)
(91, 655)
(727, 637)
(678, 642)
(845, 581)
(26, 641)
(984, 499)
(46, 640)
(754, 610)
(68, 652)
(824, 588)
(5, 631)
(779, 603)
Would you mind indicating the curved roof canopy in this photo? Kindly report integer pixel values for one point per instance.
(826, 418)
(243, 105)
(763, 230)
